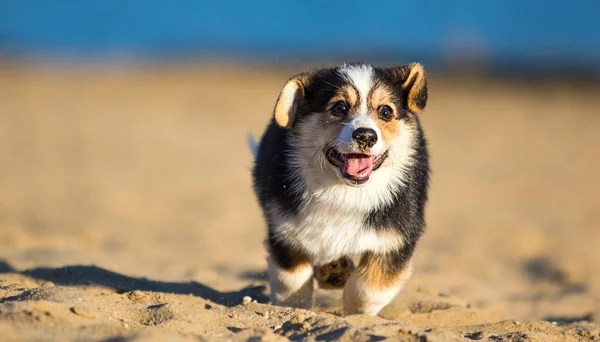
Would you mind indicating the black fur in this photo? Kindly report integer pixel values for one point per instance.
(272, 183)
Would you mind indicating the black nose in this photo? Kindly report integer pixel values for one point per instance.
(365, 136)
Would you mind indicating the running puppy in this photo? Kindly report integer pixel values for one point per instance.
(340, 173)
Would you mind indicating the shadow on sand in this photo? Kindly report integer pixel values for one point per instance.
(79, 275)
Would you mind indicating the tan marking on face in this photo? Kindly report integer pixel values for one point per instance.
(383, 96)
(377, 276)
(346, 93)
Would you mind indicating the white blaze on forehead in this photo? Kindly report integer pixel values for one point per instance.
(361, 76)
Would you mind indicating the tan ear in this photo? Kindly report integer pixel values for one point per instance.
(289, 99)
(414, 84)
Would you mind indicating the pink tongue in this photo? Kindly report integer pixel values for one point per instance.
(359, 167)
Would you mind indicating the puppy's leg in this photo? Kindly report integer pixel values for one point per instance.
(290, 278)
(334, 274)
(376, 282)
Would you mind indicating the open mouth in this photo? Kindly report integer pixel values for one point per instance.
(355, 167)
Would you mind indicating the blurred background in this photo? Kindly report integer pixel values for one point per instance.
(123, 138)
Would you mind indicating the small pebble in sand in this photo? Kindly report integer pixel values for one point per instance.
(82, 313)
(300, 318)
(247, 300)
(516, 322)
(135, 295)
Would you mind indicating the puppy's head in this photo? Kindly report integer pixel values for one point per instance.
(353, 123)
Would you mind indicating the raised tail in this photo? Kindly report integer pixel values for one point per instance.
(253, 144)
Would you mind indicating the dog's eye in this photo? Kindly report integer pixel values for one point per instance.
(339, 108)
(386, 113)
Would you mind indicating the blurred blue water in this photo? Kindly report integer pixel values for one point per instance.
(533, 31)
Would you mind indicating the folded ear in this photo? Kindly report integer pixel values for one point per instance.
(291, 96)
(414, 85)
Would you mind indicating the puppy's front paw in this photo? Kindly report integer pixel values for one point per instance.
(334, 274)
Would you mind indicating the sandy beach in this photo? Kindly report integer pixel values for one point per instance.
(127, 213)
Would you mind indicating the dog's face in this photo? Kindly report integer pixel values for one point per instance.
(353, 123)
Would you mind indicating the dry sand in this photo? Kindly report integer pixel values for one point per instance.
(126, 211)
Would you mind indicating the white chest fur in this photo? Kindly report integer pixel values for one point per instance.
(328, 232)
